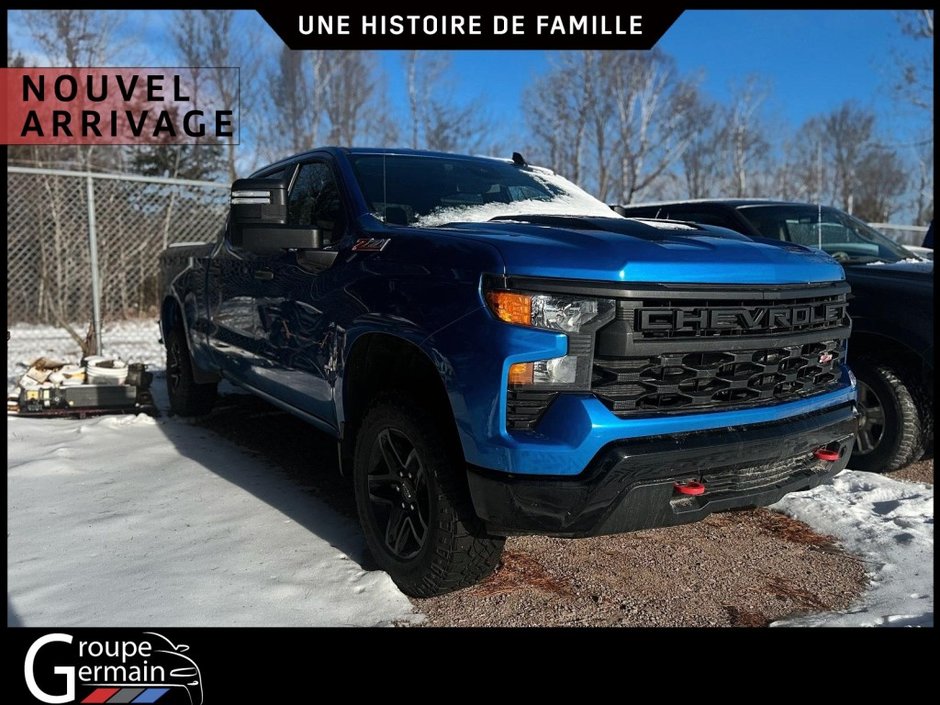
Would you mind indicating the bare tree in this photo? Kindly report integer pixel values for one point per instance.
(914, 85)
(880, 180)
(74, 38)
(207, 39)
(617, 122)
(438, 119)
(348, 92)
(742, 139)
(653, 105)
(848, 132)
(915, 81)
(291, 98)
(699, 165)
(557, 106)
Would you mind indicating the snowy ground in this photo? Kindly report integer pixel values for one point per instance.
(889, 524)
(135, 521)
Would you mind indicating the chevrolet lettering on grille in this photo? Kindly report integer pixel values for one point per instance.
(738, 318)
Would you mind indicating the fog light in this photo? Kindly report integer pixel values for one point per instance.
(558, 370)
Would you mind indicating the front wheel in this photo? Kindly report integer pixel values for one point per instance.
(414, 505)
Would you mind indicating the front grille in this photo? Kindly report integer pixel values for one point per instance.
(525, 408)
(667, 317)
(692, 349)
(716, 379)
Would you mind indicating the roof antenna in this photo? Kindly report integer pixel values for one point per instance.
(518, 160)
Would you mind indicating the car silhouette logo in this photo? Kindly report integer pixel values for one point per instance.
(825, 357)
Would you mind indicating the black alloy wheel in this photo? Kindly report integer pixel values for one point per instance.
(398, 494)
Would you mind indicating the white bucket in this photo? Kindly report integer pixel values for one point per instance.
(100, 370)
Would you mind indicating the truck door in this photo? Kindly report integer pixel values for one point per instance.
(299, 340)
(237, 279)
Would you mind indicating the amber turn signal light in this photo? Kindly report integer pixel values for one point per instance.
(521, 373)
(510, 307)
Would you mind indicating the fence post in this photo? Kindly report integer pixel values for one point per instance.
(93, 261)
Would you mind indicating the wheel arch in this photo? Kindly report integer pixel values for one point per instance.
(380, 362)
(890, 349)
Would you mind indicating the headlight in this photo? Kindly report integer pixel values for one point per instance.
(567, 314)
(576, 316)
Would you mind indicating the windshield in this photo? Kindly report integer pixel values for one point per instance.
(429, 191)
(847, 239)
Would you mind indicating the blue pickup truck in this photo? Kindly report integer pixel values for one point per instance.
(498, 353)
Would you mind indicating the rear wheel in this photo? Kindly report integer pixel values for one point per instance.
(894, 417)
(414, 505)
(187, 396)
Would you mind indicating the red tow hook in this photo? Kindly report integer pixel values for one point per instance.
(830, 456)
(692, 487)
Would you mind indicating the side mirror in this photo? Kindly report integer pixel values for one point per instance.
(258, 202)
(258, 219)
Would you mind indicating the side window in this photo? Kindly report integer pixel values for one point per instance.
(314, 201)
(703, 217)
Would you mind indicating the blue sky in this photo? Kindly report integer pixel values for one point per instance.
(812, 60)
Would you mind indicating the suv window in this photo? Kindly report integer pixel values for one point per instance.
(702, 216)
(844, 237)
(314, 201)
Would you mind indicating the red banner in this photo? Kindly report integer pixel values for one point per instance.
(69, 106)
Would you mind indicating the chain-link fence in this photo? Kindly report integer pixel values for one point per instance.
(77, 239)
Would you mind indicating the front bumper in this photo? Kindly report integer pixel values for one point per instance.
(631, 485)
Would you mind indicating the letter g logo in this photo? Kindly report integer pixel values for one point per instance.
(67, 671)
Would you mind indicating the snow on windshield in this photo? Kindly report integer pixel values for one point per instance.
(568, 199)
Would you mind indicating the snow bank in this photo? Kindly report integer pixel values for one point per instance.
(131, 521)
(889, 524)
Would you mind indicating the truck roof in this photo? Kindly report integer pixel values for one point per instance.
(397, 151)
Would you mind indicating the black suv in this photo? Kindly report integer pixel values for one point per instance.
(891, 305)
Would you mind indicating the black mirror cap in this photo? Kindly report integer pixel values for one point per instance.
(267, 239)
(257, 202)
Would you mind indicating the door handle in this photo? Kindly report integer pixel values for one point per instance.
(264, 274)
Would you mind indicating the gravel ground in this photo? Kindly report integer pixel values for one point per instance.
(917, 472)
(743, 569)
(735, 569)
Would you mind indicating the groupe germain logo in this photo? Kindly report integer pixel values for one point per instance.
(148, 669)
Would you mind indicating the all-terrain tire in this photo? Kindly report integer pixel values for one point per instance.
(896, 422)
(414, 504)
(187, 396)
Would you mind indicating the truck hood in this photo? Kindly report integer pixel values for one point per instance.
(624, 249)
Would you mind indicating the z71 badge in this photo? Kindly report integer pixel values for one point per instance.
(370, 244)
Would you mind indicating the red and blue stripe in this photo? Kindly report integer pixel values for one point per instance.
(125, 695)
